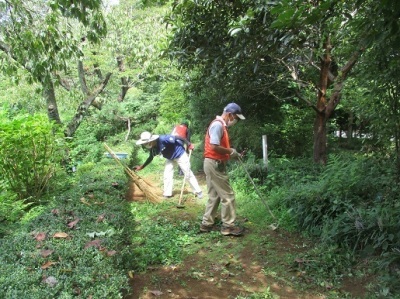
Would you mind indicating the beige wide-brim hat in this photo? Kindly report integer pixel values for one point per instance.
(146, 137)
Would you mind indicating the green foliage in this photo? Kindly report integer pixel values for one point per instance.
(326, 266)
(20, 98)
(161, 242)
(173, 104)
(344, 189)
(389, 266)
(264, 295)
(30, 150)
(92, 261)
(36, 35)
(11, 209)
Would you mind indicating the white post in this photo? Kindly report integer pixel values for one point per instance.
(265, 149)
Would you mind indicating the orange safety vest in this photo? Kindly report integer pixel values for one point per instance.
(181, 131)
(209, 152)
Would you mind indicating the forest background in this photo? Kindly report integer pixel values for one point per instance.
(320, 79)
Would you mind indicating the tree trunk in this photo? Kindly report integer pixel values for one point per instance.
(124, 80)
(324, 106)
(50, 96)
(350, 127)
(320, 139)
(85, 90)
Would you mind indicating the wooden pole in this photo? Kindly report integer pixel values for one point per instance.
(265, 150)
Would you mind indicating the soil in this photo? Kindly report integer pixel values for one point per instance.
(206, 275)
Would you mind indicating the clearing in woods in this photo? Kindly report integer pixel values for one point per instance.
(233, 267)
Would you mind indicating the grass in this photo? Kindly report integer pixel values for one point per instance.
(91, 256)
(114, 240)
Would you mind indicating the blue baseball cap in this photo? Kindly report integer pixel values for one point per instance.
(235, 109)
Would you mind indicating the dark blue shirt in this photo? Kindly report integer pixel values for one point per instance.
(170, 147)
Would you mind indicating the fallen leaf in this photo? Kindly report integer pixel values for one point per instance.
(51, 281)
(60, 235)
(111, 253)
(40, 236)
(47, 265)
(299, 260)
(73, 223)
(156, 293)
(46, 252)
(130, 273)
(95, 243)
(83, 200)
(101, 217)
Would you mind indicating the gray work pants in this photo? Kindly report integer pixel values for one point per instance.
(219, 192)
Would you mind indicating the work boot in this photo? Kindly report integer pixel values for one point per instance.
(232, 230)
(206, 228)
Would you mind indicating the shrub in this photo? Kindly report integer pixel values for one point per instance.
(352, 203)
(29, 151)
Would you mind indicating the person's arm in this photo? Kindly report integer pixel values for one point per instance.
(185, 141)
(221, 150)
(147, 162)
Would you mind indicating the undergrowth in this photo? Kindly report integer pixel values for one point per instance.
(76, 245)
(349, 207)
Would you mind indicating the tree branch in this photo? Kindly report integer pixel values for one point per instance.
(335, 97)
(82, 79)
(83, 107)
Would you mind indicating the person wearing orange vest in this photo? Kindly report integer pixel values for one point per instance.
(182, 130)
(217, 151)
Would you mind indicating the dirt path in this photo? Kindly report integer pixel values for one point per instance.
(232, 267)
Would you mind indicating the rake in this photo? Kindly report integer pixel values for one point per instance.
(275, 225)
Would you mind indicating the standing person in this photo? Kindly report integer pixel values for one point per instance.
(217, 152)
(182, 130)
(171, 148)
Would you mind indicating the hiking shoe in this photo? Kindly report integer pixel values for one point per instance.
(199, 194)
(206, 228)
(232, 230)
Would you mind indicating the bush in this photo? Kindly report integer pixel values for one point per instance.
(30, 151)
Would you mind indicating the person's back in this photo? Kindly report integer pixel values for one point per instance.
(182, 130)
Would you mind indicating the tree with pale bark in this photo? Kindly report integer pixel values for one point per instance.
(40, 38)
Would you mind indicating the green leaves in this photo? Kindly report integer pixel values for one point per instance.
(41, 38)
(29, 152)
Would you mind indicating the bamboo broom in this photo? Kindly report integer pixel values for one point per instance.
(146, 189)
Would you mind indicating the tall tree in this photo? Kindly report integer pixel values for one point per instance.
(40, 37)
(318, 42)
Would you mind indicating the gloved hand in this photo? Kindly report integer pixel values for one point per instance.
(191, 147)
(234, 154)
(138, 167)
